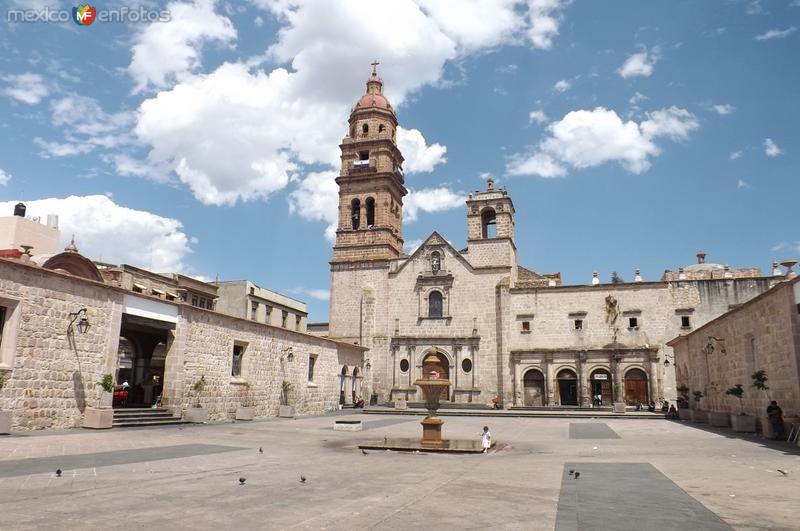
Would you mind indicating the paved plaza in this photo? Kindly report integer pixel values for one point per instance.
(634, 474)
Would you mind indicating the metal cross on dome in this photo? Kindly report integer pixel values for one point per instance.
(375, 64)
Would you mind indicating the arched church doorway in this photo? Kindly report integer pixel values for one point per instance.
(533, 383)
(602, 394)
(567, 387)
(342, 383)
(636, 387)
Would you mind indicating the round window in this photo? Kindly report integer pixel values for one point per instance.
(403, 365)
(466, 365)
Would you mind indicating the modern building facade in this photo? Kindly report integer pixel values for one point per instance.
(246, 300)
(499, 329)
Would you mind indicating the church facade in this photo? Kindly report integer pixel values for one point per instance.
(499, 329)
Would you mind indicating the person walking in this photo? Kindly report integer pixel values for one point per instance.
(486, 439)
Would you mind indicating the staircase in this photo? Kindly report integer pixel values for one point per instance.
(137, 417)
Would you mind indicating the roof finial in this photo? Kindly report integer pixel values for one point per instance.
(71, 247)
(375, 64)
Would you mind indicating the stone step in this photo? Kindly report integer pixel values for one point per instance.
(160, 416)
(140, 410)
(149, 422)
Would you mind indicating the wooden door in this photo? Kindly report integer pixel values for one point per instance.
(635, 391)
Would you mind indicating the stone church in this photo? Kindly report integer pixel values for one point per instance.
(501, 330)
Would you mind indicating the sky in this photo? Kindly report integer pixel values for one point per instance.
(205, 140)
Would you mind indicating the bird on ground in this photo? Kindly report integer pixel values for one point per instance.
(302, 478)
(363, 451)
(260, 450)
(577, 475)
(58, 473)
(783, 472)
(571, 471)
(242, 480)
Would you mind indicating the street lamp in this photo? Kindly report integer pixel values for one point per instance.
(83, 322)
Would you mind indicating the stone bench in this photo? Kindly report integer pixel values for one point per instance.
(348, 425)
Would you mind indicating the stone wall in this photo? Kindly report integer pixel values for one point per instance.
(763, 334)
(52, 375)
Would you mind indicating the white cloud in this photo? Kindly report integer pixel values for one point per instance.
(319, 294)
(545, 17)
(537, 116)
(167, 50)
(771, 149)
(735, 155)
(86, 126)
(588, 138)
(243, 132)
(430, 200)
(637, 98)
(410, 246)
(112, 233)
(5, 177)
(790, 247)
(776, 34)
(316, 198)
(639, 64)
(419, 156)
(723, 108)
(28, 88)
(562, 85)
(741, 184)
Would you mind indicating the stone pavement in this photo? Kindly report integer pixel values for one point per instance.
(657, 475)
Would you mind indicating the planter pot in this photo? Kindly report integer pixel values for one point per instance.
(719, 418)
(619, 407)
(98, 418)
(286, 412)
(5, 421)
(245, 413)
(685, 414)
(743, 423)
(198, 415)
(698, 415)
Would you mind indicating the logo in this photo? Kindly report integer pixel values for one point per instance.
(84, 14)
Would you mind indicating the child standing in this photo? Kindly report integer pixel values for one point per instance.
(486, 439)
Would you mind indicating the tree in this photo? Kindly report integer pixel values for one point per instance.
(737, 391)
(616, 279)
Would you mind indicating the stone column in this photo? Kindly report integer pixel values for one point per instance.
(456, 369)
(549, 380)
(653, 377)
(583, 378)
(348, 388)
(412, 369)
(619, 396)
(517, 382)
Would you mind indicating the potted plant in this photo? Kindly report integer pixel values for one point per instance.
(698, 415)
(760, 382)
(102, 416)
(246, 409)
(741, 422)
(5, 416)
(619, 403)
(286, 411)
(684, 412)
(198, 413)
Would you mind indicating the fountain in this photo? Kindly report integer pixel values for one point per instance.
(432, 385)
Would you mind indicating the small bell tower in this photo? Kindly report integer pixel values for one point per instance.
(371, 181)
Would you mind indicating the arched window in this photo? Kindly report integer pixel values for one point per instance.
(381, 128)
(488, 223)
(436, 261)
(365, 129)
(370, 211)
(435, 304)
(355, 213)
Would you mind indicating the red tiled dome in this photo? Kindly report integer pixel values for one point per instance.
(373, 100)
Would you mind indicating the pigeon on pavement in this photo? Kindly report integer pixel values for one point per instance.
(302, 478)
(577, 475)
(242, 480)
(58, 473)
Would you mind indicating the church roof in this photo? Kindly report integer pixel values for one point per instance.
(373, 100)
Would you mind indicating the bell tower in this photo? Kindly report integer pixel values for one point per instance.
(371, 182)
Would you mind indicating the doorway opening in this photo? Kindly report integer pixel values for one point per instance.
(602, 388)
(636, 387)
(142, 354)
(567, 387)
(533, 384)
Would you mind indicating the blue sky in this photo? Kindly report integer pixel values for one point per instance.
(629, 134)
